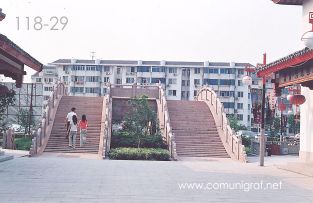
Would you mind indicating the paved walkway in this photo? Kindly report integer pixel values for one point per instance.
(70, 179)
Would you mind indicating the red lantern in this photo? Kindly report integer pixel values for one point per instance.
(297, 99)
(282, 106)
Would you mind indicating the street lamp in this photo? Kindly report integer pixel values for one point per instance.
(247, 80)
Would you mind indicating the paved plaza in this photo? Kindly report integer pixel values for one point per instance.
(71, 179)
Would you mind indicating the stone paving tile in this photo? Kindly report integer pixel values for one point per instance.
(59, 179)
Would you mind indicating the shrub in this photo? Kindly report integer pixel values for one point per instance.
(139, 154)
(23, 143)
(124, 139)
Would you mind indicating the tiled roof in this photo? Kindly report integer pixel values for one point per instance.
(20, 50)
(286, 58)
(287, 61)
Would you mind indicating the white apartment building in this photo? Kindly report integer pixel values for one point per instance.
(48, 77)
(181, 79)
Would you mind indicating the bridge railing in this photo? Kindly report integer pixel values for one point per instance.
(231, 142)
(165, 123)
(41, 136)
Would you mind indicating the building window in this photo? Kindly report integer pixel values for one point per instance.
(197, 70)
(78, 67)
(229, 105)
(227, 71)
(92, 90)
(90, 68)
(46, 97)
(92, 78)
(249, 107)
(183, 83)
(206, 70)
(240, 94)
(106, 79)
(158, 69)
(144, 80)
(130, 80)
(106, 68)
(172, 81)
(78, 79)
(118, 81)
(183, 94)
(132, 69)
(48, 89)
(196, 82)
(249, 95)
(226, 93)
(240, 117)
(143, 69)
(195, 92)
(118, 71)
(239, 83)
(77, 89)
(157, 80)
(210, 81)
(240, 71)
(38, 79)
(239, 105)
(213, 70)
(227, 82)
(172, 92)
(172, 70)
(248, 118)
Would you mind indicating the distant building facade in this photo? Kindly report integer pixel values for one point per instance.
(180, 79)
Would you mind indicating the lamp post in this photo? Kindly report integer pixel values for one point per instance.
(247, 80)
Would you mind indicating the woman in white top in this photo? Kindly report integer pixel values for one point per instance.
(73, 131)
(68, 121)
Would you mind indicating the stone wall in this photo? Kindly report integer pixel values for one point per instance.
(121, 107)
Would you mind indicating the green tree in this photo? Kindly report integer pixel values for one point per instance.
(6, 99)
(293, 125)
(234, 123)
(26, 120)
(141, 121)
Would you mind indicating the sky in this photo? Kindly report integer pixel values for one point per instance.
(184, 30)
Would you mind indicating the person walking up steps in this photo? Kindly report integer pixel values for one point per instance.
(73, 132)
(68, 121)
(83, 124)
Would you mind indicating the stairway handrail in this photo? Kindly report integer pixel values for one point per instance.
(42, 134)
(231, 142)
(164, 119)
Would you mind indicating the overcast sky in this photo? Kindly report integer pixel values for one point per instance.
(186, 30)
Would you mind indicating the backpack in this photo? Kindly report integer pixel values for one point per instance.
(74, 118)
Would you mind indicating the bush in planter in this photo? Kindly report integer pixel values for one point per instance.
(139, 154)
(124, 139)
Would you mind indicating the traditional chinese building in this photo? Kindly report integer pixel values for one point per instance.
(297, 68)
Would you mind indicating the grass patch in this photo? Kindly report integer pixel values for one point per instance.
(139, 154)
(23, 143)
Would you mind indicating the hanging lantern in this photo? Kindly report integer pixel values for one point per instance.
(289, 97)
(3, 89)
(247, 80)
(282, 106)
(297, 99)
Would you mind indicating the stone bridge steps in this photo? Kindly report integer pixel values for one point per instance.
(92, 107)
(195, 130)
